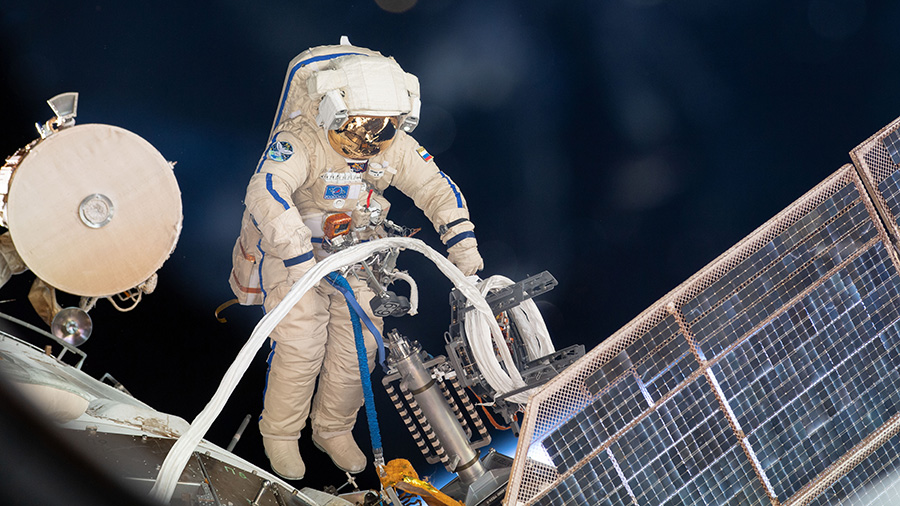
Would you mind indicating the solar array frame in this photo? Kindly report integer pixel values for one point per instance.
(792, 336)
(877, 159)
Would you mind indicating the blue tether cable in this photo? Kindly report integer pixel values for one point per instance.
(334, 279)
(343, 286)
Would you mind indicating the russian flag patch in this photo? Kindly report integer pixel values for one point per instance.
(424, 154)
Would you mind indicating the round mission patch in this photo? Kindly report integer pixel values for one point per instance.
(280, 151)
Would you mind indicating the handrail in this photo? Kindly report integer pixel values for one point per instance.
(66, 346)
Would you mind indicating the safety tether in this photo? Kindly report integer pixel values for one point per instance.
(356, 309)
(341, 284)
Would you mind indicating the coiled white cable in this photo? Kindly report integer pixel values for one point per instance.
(181, 451)
(534, 334)
(527, 318)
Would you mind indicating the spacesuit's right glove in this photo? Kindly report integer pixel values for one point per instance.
(464, 255)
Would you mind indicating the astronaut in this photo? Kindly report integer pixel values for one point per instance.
(339, 139)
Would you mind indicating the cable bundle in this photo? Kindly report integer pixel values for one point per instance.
(505, 377)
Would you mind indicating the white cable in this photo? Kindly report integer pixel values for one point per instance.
(530, 322)
(527, 318)
(534, 333)
(181, 452)
(478, 328)
(413, 291)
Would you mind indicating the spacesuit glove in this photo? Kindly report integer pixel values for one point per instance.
(464, 255)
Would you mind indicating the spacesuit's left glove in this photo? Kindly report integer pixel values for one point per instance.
(464, 255)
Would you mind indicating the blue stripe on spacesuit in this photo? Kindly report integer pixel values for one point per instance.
(287, 88)
(294, 70)
(261, 285)
(459, 237)
(262, 159)
(459, 203)
(266, 153)
(269, 368)
(298, 259)
(275, 194)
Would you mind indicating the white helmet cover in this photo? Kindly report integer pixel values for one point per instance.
(331, 83)
(370, 86)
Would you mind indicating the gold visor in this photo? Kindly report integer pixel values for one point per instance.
(363, 137)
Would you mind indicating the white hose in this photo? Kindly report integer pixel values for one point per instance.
(413, 291)
(181, 452)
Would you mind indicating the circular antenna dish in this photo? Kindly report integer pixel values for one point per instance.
(94, 210)
(72, 325)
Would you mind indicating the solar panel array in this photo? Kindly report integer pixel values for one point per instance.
(769, 377)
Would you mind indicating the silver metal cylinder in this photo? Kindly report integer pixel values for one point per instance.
(463, 459)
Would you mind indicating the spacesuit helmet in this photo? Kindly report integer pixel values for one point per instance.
(362, 137)
(363, 100)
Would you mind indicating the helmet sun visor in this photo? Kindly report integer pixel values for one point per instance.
(363, 137)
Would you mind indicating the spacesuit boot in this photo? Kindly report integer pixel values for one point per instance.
(284, 457)
(343, 451)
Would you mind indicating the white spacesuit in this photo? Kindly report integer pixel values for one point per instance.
(339, 139)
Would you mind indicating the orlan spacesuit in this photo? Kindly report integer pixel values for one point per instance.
(339, 139)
